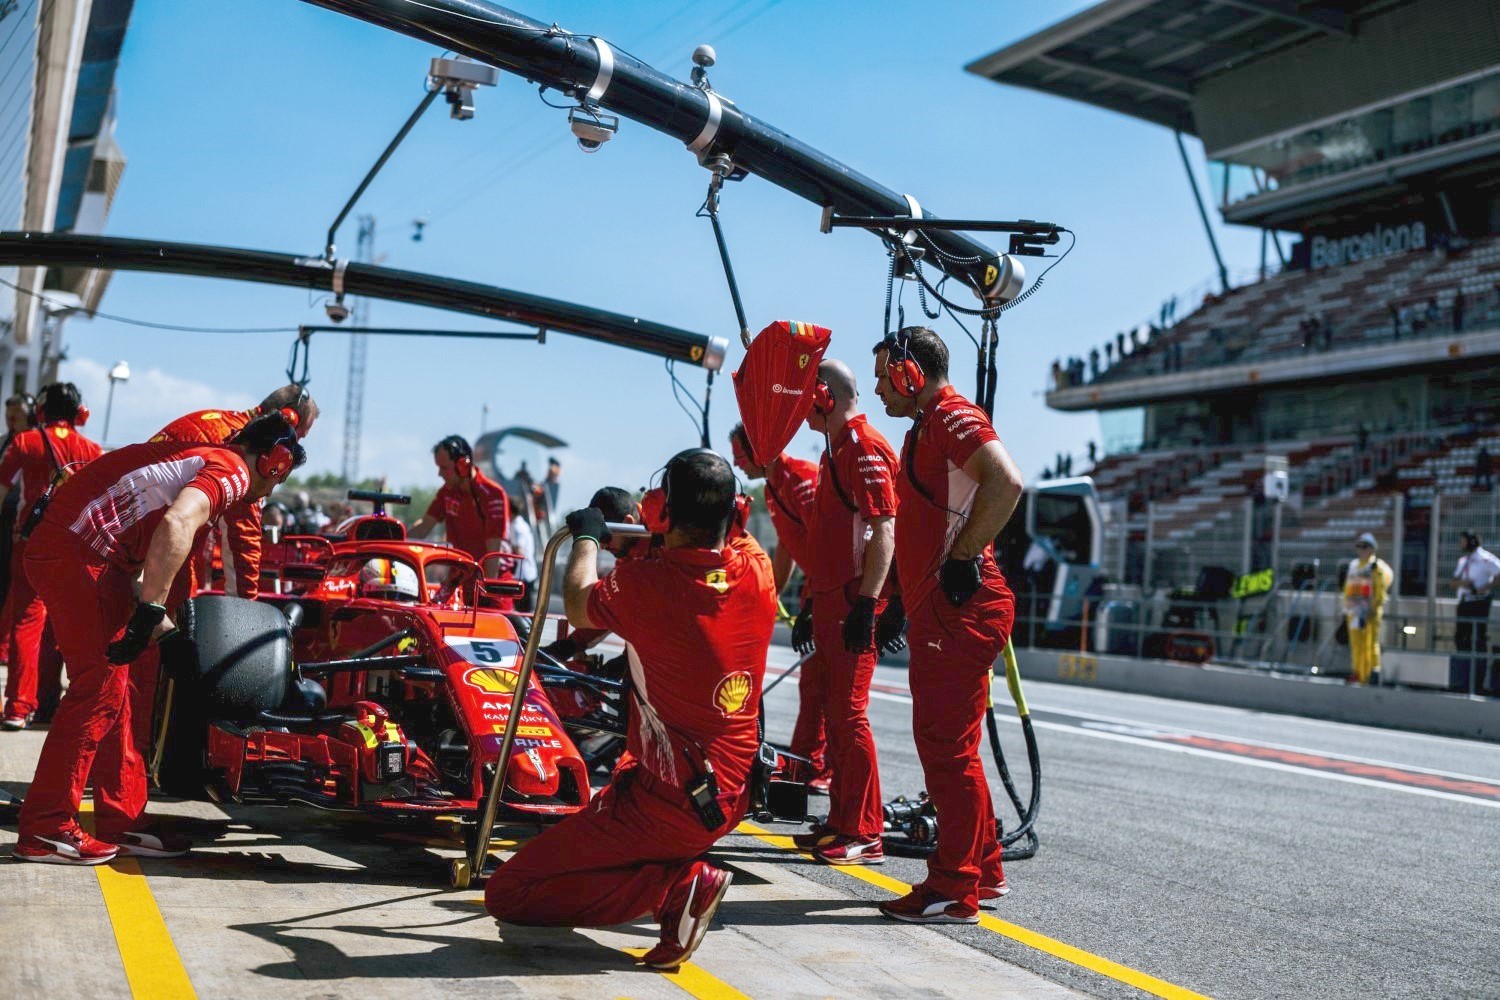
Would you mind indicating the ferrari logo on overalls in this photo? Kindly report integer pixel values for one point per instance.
(718, 580)
(732, 693)
(491, 680)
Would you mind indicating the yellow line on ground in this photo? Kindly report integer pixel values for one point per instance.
(152, 966)
(694, 981)
(1051, 946)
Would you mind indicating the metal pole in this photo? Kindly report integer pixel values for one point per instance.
(1276, 537)
(1203, 213)
(577, 63)
(422, 106)
(1433, 534)
(1398, 542)
(1246, 556)
(33, 249)
(109, 405)
(1150, 540)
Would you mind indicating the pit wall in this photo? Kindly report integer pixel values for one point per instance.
(1312, 697)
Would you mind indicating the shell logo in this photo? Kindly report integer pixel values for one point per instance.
(732, 693)
(491, 680)
(718, 580)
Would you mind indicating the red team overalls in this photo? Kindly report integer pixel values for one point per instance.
(83, 559)
(472, 519)
(37, 462)
(697, 624)
(791, 489)
(952, 649)
(240, 530)
(856, 482)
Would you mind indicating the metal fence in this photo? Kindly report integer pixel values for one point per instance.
(1168, 545)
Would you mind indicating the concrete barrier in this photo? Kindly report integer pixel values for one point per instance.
(1441, 714)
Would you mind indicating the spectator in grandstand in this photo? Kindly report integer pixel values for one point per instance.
(1367, 584)
(1057, 374)
(1093, 454)
(1432, 314)
(1120, 339)
(1484, 470)
(1093, 364)
(1458, 311)
(1475, 577)
(1395, 321)
(1109, 354)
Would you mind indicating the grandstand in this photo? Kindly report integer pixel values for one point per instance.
(1366, 133)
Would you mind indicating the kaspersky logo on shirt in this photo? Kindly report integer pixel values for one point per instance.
(732, 693)
(718, 580)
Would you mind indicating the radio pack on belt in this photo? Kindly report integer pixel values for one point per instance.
(59, 476)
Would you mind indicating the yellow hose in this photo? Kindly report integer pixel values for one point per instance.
(1013, 681)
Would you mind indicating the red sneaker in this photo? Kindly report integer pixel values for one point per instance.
(71, 845)
(15, 721)
(685, 918)
(152, 844)
(991, 893)
(923, 906)
(813, 838)
(851, 851)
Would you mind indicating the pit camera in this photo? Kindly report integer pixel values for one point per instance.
(337, 311)
(458, 78)
(592, 128)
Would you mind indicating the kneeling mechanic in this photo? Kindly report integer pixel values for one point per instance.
(697, 618)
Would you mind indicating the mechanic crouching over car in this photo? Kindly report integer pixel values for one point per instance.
(139, 511)
(697, 618)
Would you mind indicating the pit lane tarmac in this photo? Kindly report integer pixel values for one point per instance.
(297, 903)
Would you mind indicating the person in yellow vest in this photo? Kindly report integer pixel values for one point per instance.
(1366, 586)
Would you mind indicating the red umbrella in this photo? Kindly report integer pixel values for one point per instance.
(774, 384)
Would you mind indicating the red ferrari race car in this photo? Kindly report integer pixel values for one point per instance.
(382, 682)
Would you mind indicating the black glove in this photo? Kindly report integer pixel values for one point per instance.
(137, 637)
(859, 626)
(802, 631)
(587, 522)
(890, 629)
(961, 579)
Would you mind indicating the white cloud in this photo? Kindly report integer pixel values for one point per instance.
(144, 405)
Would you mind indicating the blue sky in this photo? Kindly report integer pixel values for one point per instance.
(249, 124)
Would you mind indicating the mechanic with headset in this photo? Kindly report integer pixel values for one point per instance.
(852, 539)
(958, 487)
(42, 456)
(241, 528)
(133, 513)
(791, 486)
(472, 507)
(19, 417)
(697, 619)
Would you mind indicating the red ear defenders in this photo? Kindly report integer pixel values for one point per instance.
(82, 417)
(278, 460)
(463, 456)
(290, 416)
(652, 510)
(822, 398)
(906, 375)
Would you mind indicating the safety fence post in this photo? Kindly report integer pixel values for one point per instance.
(1248, 538)
(1150, 543)
(1398, 537)
(1434, 534)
